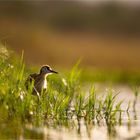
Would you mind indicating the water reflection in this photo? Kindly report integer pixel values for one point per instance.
(82, 129)
(127, 127)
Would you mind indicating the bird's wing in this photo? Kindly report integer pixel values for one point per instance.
(31, 78)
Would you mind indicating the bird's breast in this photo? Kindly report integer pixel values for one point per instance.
(40, 84)
(44, 84)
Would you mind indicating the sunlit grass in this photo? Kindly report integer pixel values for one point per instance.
(64, 99)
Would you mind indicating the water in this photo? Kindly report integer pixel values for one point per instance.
(129, 129)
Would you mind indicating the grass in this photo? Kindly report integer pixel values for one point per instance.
(63, 101)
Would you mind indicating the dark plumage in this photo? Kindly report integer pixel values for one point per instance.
(39, 80)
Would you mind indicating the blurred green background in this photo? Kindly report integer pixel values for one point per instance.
(103, 34)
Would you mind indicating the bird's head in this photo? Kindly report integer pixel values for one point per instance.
(47, 70)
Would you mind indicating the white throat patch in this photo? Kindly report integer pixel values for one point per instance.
(45, 84)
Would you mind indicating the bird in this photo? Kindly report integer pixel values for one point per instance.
(39, 80)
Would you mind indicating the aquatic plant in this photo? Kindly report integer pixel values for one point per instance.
(63, 101)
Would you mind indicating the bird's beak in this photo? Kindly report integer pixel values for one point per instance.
(52, 71)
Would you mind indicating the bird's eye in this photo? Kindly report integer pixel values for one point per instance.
(48, 68)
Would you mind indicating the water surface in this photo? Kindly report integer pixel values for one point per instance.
(127, 129)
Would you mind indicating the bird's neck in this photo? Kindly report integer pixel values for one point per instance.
(42, 75)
